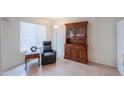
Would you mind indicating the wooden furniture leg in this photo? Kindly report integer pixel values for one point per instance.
(25, 64)
(39, 62)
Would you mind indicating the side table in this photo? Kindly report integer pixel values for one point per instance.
(32, 55)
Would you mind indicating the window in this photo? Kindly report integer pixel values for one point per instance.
(31, 35)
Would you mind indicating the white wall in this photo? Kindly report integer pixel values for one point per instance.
(102, 40)
(0, 44)
(11, 55)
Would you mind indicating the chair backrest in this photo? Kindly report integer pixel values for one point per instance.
(47, 46)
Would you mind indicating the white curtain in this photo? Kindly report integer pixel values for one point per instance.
(59, 40)
(31, 35)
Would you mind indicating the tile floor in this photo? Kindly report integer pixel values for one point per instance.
(63, 67)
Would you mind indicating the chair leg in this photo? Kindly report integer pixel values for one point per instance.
(25, 65)
(39, 62)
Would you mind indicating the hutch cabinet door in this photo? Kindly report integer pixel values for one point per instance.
(77, 52)
(68, 51)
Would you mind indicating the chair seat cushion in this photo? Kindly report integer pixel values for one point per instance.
(48, 54)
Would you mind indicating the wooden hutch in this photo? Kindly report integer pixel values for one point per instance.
(76, 42)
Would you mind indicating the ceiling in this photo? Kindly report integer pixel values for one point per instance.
(61, 18)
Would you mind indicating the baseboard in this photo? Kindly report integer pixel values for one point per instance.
(102, 64)
(4, 70)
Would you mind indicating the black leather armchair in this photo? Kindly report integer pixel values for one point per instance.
(48, 54)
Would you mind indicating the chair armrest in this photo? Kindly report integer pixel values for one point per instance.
(54, 51)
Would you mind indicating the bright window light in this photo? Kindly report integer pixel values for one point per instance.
(31, 35)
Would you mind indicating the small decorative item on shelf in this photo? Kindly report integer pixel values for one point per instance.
(33, 48)
(78, 35)
(71, 33)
